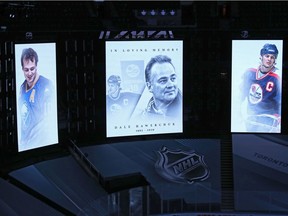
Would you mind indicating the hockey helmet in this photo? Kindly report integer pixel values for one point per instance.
(114, 79)
(269, 49)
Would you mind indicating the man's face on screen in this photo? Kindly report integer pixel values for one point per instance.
(163, 83)
(268, 61)
(30, 71)
(113, 89)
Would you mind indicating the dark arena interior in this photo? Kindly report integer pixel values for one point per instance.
(87, 158)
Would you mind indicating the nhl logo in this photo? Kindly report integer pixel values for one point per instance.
(181, 166)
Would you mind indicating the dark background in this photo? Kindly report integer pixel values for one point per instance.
(207, 29)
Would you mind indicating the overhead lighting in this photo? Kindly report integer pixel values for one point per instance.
(163, 12)
(12, 15)
(153, 12)
(157, 12)
(172, 12)
(143, 12)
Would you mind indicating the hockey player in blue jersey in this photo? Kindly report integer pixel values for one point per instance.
(262, 88)
(35, 101)
(120, 104)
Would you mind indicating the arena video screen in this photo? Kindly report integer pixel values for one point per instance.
(256, 86)
(144, 87)
(36, 95)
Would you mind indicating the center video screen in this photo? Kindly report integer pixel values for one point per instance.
(144, 87)
(256, 95)
(36, 95)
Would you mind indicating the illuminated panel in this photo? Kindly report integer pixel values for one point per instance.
(36, 95)
(139, 104)
(256, 86)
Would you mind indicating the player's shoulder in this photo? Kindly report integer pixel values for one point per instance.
(45, 84)
(23, 85)
(275, 75)
(44, 81)
(249, 73)
(251, 70)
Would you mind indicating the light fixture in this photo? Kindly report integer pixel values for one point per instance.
(163, 12)
(172, 12)
(143, 12)
(153, 12)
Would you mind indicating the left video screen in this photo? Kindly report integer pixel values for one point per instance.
(36, 95)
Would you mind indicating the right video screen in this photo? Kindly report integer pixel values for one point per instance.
(256, 86)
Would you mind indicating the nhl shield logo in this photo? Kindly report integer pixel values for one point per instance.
(181, 166)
